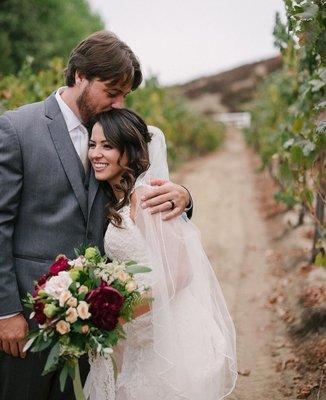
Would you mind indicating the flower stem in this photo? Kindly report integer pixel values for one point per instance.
(78, 387)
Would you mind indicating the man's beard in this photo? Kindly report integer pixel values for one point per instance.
(85, 108)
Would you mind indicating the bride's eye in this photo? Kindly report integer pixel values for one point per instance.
(107, 146)
(91, 145)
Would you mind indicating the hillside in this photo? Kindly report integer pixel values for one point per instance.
(229, 90)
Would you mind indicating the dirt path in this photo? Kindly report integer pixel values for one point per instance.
(236, 242)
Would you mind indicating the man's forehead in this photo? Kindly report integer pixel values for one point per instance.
(122, 88)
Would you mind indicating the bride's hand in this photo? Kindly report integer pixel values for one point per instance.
(166, 196)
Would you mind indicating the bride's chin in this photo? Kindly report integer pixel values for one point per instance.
(100, 176)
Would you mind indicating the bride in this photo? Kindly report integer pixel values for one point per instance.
(182, 345)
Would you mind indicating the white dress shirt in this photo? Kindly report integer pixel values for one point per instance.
(79, 137)
(78, 133)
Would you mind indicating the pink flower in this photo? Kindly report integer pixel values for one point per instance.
(61, 264)
(105, 304)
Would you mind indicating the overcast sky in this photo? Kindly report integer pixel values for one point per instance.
(179, 40)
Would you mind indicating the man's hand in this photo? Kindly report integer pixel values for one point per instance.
(12, 335)
(166, 196)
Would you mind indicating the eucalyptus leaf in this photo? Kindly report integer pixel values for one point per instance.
(29, 343)
(115, 368)
(138, 269)
(310, 11)
(63, 377)
(53, 359)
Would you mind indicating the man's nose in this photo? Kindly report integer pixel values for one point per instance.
(118, 102)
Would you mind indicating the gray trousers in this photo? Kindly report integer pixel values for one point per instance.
(21, 379)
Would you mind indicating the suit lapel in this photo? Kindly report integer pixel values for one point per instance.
(66, 151)
(92, 190)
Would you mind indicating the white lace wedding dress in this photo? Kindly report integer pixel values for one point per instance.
(184, 348)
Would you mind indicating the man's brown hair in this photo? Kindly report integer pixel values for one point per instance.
(104, 56)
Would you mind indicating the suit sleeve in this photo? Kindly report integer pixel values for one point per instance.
(11, 178)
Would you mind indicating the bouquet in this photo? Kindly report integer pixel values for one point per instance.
(78, 306)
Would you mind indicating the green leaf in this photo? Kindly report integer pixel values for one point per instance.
(310, 11)
(115, 368)
(29, 343)
(307, 196)
(71, 369)
(316, 84)
(130, 263)
(320, 260)
(52, 360)
(296, 154)
(137, 269)
(63, 377)
(322, 74)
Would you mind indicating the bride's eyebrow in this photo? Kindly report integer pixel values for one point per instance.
(102, 141)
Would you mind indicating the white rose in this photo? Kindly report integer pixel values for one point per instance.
(62, 327)
(56, 285)
(131, 286)
(64, 296)
(82, 310)
(71, 315)
(79, 262)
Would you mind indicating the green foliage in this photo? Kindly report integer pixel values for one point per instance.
(42, 29)
(187, 134)
(288, 114)
(27, 87)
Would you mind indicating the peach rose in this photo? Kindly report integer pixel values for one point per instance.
(82, 310)
(85, 329)
(72, 302)
(62, 327)
(131, 286)
(71, 315)
(83, 289)
(64, 296)
(123, 276)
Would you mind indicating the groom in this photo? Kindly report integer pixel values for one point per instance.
(50, 201)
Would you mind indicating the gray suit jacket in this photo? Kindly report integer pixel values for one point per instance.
(47, 205)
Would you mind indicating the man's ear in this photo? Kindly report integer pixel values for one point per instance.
(79, 78)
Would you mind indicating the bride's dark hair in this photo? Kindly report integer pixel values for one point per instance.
(125, 131)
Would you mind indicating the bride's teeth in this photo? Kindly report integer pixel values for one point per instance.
(101, 164)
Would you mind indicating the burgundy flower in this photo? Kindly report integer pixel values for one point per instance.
(61, 264)
(39, 314)
(40, 284)
(105, 304)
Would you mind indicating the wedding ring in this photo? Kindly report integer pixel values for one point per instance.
(172, 204)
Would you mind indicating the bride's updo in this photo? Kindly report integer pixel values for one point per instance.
(127, 132)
